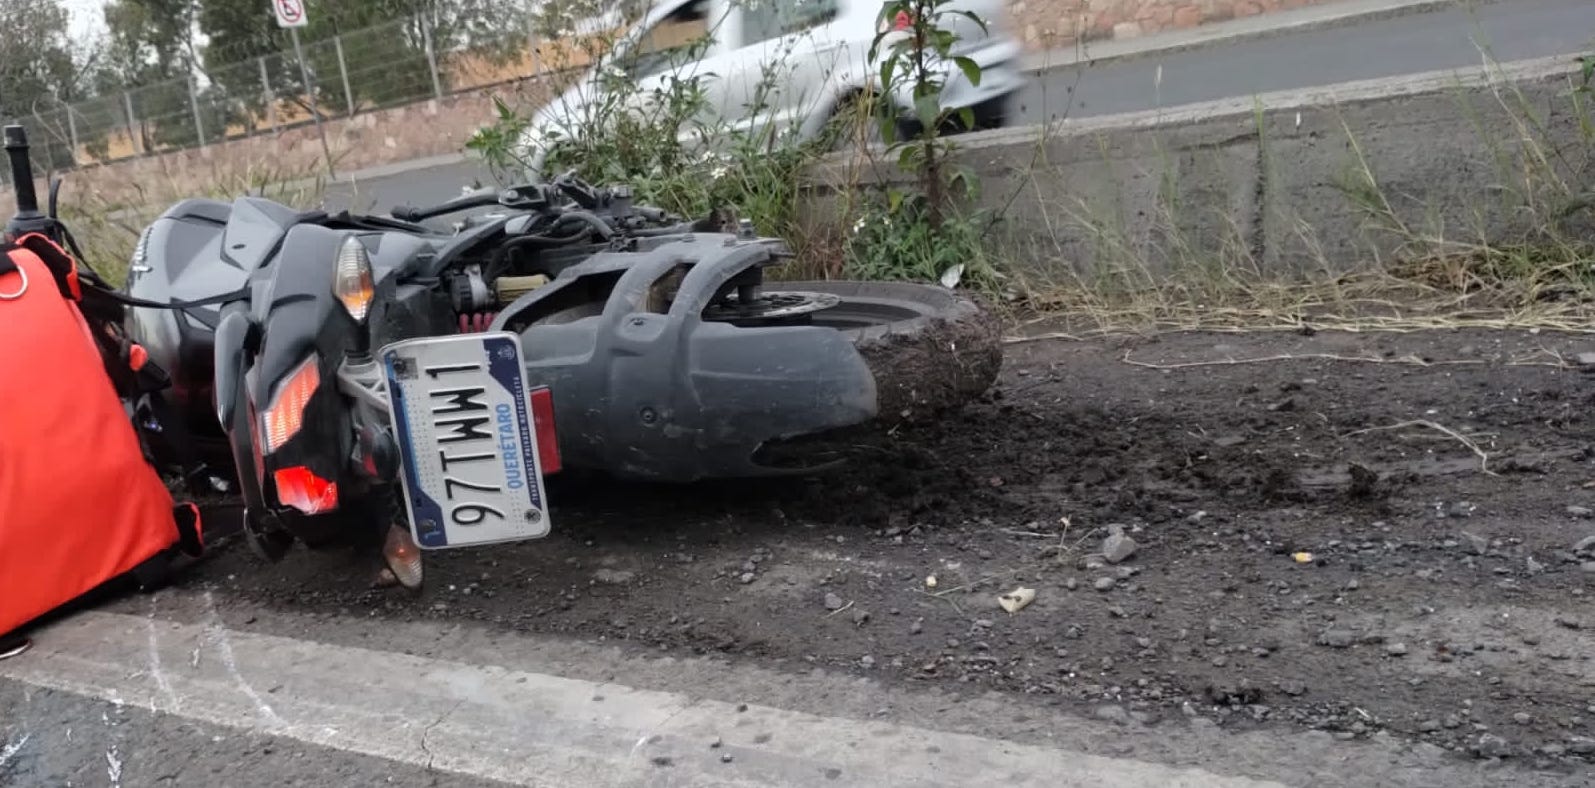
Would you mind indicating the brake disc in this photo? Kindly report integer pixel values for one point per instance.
(770, 306)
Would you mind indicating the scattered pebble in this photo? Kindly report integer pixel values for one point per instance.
(1585, 545)
(860, 617)
(1491, 746)
(1104, 584)
(1071, 584)
(726, 757)
(746, 578)
(1396, 649)
(832, 601)
(1118, 548)
(1337, 638)
(1581, 512)
(916, 627)
(614, 576)
(1476, 544)
(1522, 718)
(1429, 726)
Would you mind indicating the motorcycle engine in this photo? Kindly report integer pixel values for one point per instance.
(469, 291)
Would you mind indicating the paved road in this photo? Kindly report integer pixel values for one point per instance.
(1368, 49)
(193, 688)
(157, 700)
(1436, 40)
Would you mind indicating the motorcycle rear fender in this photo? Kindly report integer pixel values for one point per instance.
(668, 395)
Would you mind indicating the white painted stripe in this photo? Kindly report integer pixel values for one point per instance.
(529, 728)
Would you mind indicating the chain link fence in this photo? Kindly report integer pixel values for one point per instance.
(374, 68)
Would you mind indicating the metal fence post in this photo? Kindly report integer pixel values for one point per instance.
(531, 43)
(431, 57)
(310, 95)
(193, 103)
(72, 134)
(267, 96)
(132, 132)
(343, 71)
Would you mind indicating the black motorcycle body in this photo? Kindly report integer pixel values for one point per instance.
(663, 353)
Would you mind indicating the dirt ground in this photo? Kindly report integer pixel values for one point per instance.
(1379, 543)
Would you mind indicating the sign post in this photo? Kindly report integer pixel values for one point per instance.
(291, 15)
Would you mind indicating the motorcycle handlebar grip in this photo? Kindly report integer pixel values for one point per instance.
(405, 213)
(16, 144)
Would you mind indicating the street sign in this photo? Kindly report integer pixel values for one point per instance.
(289, 13)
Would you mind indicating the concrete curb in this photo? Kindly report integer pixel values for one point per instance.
(1236, 31)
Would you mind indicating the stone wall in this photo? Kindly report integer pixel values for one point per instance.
(1045, 24)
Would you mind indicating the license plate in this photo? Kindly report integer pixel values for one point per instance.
(466, 439)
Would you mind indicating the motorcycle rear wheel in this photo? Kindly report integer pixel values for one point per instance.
(929, 348)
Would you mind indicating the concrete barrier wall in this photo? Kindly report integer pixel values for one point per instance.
(1334, 178)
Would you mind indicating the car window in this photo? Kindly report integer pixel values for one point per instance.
(678, 39)
(763, 20)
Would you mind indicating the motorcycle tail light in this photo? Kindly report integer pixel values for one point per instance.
(301, 488)
(285, 412)
(352, 280)
(543, 421)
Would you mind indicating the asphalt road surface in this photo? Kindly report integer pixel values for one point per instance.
(1433, 41)
(1379, 47)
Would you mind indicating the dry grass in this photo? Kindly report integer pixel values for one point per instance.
(1161, 275)
(108, 230)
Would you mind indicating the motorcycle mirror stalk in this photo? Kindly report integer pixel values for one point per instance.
(28, 218)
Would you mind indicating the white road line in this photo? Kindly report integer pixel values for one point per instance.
(536, 729)
(12, 748)
(173, 705)
(217, 634)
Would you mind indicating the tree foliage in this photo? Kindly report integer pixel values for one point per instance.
(37, 60)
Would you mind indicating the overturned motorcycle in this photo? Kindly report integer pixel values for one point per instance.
(371, 377)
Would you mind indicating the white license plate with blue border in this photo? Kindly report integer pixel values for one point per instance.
(467, 442)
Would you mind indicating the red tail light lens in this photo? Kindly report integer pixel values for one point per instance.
(285, 413)
(543, 421)
(299, 487)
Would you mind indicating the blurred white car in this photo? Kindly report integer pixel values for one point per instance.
(799, 62)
